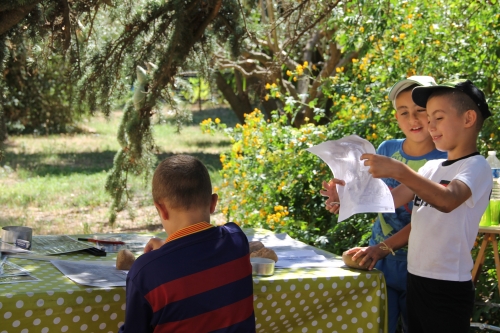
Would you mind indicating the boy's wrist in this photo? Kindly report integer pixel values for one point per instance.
(386, 248)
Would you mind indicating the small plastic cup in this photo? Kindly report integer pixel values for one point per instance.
(486, 218)
(495, 211)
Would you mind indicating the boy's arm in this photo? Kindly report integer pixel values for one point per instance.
(138, 312)
(444, 199)
(379, 251)
(401, 195)
(154, 244)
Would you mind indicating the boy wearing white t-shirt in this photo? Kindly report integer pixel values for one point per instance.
(449, 198)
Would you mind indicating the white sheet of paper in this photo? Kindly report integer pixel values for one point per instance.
(303, 259)
(91, 274)
(294, 254)
(362, 193)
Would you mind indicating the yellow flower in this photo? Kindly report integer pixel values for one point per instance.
(492, 135)
(371, 38)
(216, 188)
(306, 64)
(217, 120)
(354, 60)
(299, 69)
(277, 94)
(266, 97)
(314, 67)
(289, 73)
(374, 135)
(268, 86)
(273, 85)
(306, 119)
(374, 126)
(294, 79)
(362, 29)
(402, 36)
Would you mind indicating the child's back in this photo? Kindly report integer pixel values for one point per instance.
(201, 283)
(200, 278)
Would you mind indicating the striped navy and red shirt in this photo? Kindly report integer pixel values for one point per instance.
(200, 280)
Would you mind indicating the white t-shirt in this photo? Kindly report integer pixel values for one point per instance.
(440, 243)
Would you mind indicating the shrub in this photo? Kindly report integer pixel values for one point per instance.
(270, 181)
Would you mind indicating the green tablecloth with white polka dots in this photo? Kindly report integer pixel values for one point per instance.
(292, 300)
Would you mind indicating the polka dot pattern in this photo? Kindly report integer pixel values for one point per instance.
(56, 304)
(317, 300)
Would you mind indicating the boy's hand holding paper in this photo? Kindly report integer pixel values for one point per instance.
(362, 193)
(382, 166)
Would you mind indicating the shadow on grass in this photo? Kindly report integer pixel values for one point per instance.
(226, 115)
(41, 164)
(211, 161)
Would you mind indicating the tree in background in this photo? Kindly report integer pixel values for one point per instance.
(104, 58)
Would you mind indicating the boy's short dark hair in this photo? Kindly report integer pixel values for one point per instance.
(463, 95)
(183, 181)
(461, 102)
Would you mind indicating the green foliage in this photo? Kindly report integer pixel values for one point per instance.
(136, 156)
(195, 89)
(38, 99)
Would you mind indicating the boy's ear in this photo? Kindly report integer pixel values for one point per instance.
(162, 210)
(470, 117)
(213, 202)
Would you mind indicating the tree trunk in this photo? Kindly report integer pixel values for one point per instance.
(10, 18)
(3, 128)
(240, 104)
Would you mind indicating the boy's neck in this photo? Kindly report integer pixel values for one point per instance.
(412, 148)
(179, 219)
(462, 150)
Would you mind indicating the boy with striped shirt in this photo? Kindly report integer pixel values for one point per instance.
(200, 278)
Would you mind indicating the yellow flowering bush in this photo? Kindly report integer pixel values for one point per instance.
(270, 181)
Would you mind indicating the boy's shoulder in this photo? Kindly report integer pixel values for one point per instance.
(231, 227)
(228, 237)
(391, 143)
(476, 163)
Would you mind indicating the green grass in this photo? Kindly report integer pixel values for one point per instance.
(55, 183)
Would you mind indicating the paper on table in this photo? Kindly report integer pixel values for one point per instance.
(362, 193)
(92, 275)
(304, 259)
(294, 254)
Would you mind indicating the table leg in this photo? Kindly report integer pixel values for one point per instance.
(494, 243)
(480, 258)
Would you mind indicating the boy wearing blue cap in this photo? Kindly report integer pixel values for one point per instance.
(449, 198)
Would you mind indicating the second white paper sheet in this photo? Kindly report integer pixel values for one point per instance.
(362, 193)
